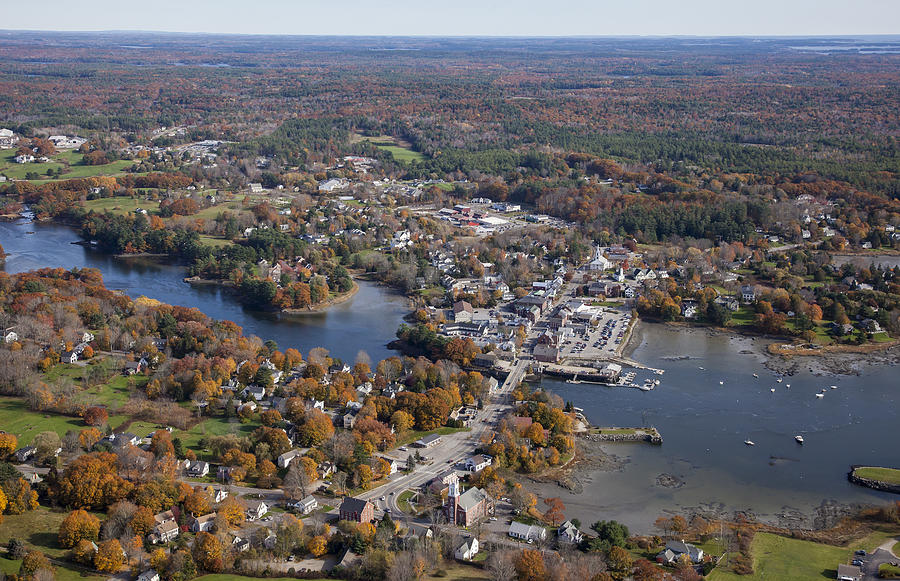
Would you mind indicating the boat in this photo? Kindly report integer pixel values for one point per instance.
(644, 387)
(573, 380)
(820, 395)
(750, 442)
(772, 390)
(788, 385)
(656, 382)
(700, 368)
(833, 387)
(779, 380)
(721, 383)
(756, 376)
(799, 439)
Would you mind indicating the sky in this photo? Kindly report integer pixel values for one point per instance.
(464, 17)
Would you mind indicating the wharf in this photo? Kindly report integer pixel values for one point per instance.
(616, 434)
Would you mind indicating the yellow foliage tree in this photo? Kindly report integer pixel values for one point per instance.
(78, 525)
(8, 445)
(109, 557)
(317, 546)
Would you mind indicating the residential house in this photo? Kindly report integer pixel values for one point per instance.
(467, 550)
(164, 532)
(393, 465)
(689, 309)
(10, 336)
(257, 510)
(748, 293)
(221, 495)
(198, 469)
(285, 459)
(240, 545)
(568, 533)
(202, 524)
(526, 532)
(148, 575)
(674, 550)
(356, 510)
(349, 419)
(69, 357)
(848, 573)
(25, 454)
(478, 463)
(306, 505)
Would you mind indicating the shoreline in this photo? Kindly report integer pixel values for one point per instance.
(324, 306)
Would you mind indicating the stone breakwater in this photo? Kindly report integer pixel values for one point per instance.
(871, 482)
(650, 435)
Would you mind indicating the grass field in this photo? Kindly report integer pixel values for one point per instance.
(67, 161)
(400, 152)
(403, 501)
(16, 418)
(889, 475)
(777, 557)
(121, 205)
(214, 241)
(10, 567)
(36, 528)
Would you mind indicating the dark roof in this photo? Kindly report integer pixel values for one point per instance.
(351, 505)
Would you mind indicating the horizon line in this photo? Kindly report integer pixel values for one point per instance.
(459, 36)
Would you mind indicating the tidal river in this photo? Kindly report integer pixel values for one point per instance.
(367, 322)
(705, 464)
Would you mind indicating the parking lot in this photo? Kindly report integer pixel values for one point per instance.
(599, 342)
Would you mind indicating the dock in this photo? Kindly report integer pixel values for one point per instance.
(617, 434)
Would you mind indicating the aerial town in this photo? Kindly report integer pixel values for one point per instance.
(453, 338)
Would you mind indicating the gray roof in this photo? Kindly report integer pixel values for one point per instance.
(351, 504)
(470, 498)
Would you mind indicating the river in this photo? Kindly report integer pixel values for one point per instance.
(367, 321)
(704, 426)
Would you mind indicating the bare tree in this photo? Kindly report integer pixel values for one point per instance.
(501, 567)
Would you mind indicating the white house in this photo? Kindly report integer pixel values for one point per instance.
(525, 532)
(467, 550)
(198, 469)
(148, 575)
(10, 337)
(307, 505)
(257, 510)
(203, 524)
(478, 463)
(569, 533)
(285, 459)
(221, 494)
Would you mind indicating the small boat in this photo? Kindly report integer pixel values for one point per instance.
(772, 390)
(721, 383)
(779, 380)
(798, 439)
(833, 387)
(756, 376)
(788, 385)
(656, 382)
(750, 442)
(820, 395)
(700, 368)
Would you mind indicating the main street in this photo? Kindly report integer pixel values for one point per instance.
(452, 449)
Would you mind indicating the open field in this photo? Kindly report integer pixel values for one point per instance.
(889, 475)
(16, 418)
(399, 149)
(36, 528)
(68, 162)
(121, 205)
(776, 557)
(11, 566)
(214, 241)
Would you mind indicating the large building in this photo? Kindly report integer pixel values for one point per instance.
(357, 510)
(466, 508)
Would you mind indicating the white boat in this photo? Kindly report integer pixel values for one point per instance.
(820, 395)
(755, 375)
(779, 380)
(799, 439)
(833, 387)
(656, 382)
(750, 442)
(787, 385)
(700, 368)
(772, 390)
(721, 383)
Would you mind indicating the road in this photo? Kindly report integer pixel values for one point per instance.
(452, 448)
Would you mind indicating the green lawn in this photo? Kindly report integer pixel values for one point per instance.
(400, 153)
(403, 501)
(121, 205)
(889, 475)
(11, 567)
(16, 418)
(777, 557)
(67, 161)
(36, 528)
(214, 241)
(229, 577)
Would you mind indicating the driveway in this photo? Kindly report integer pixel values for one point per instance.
(874, 560)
